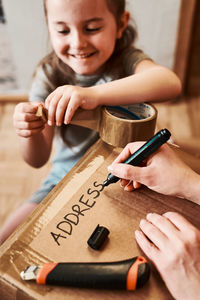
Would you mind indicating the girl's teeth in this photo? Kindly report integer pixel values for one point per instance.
(82, 56)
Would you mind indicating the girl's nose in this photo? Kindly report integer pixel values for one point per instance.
(78, 40)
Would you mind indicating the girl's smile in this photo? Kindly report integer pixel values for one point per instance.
(82, 55)
(83, 33)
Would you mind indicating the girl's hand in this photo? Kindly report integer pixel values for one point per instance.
(163, 172)
(173, 244)
(25, 120)
(65, 100)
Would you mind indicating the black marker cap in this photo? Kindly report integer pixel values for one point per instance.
(98, 237)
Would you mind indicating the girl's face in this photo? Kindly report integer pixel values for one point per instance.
(83, 33)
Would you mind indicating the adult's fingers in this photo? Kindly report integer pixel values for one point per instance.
(179, 221)
(127, 151)
(128, 172)
(129, 185)
(164, 225)
(147, 247)
(158, 238)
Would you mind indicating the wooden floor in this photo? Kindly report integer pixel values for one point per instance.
(18, 180)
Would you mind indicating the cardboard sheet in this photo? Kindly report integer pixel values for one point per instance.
(59, 228)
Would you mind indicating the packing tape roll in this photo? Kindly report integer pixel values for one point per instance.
(119, 125)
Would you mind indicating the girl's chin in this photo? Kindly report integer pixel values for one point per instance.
(86, 71)
(89, 70)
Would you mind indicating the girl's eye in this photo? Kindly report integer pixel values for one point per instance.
(66, 31)
(92, 29)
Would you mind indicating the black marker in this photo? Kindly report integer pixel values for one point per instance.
(142, 153)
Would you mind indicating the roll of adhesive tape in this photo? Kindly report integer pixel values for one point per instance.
(119, 125)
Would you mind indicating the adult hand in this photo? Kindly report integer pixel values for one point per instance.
(163, 172)
(173, 245)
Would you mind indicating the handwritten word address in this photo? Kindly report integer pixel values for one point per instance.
(65, 227)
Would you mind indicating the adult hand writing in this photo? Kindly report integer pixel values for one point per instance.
(163, 172)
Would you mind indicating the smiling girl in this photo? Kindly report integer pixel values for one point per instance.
(93, 63)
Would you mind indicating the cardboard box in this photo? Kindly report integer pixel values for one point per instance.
(59, 228)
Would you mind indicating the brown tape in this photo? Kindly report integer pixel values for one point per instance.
(41, 112)
(117, 131)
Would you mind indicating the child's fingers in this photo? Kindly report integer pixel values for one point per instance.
(48, 100)
(28, 133)
(28, 128)
(73, 105)
(29, 125)
(61, 109)
(52, 109)
(26, 112)
(26, 117)
(29, 107)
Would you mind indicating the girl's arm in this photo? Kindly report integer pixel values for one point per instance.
(151, 82)
(37, 148)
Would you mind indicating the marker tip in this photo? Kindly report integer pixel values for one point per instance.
(105, 183)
